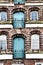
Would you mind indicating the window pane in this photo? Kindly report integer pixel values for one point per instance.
(0, 16)
(19, 1)
(3, 42)
(4, 46)
(1, 64)
(34, 15)
(35, 41)
(18, 48)
(3, 16)
(18, 20)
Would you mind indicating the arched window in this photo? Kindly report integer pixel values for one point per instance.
(19, 1)
(35, 41)
(3, 16)
(18, 20)
(3, 42)
(18, 47)
(34, 15)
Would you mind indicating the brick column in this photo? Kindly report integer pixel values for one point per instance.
(10, 17)
(27, 15)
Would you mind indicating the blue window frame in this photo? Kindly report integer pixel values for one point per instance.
(19, 1)
(18, 20)
(18, 47)
(3, 16)
(33, 15)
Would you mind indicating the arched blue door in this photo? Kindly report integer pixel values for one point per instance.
(19, 1)
(18, 20)
(18, 48)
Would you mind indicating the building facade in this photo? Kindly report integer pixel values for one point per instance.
(21, 32)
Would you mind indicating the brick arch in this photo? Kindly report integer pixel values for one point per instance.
(3, 9)
(34, 9)
(18, 35)
(35, 32)
(4, 33)
(17, 10)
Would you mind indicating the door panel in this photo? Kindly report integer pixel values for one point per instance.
(18, 20)
(18, 48)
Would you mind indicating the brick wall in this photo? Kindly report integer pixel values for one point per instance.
(26, 9)
(11, 1)
(26, 33)
(23, 61)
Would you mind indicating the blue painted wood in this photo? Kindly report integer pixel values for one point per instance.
(19, 1)
(18, 48)
(18, 20)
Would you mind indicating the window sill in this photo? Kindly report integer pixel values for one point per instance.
(5, 22)
(34, 1)
(30, 52)
(4, 1)
(34, 56)
(6, 56)
(5, 52)
(33, 22)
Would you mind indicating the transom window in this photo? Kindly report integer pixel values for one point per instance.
(34, 15)
(35, 41)
(3, 16)
(3, 42)
(18, 47)
(18, 20)
(19, 1)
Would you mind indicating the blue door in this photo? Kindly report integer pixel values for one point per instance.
(18, 48)
(19, 1)
(18, 20)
